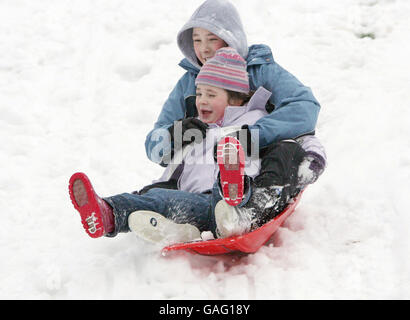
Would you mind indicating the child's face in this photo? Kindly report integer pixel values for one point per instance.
(211, 103)
(206, 44)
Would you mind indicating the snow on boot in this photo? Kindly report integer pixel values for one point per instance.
(154, 227)
(266, 202)
(96, 215)
(232, 221)
(231, 162)
(263, 205)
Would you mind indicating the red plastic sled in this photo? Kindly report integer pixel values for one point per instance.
(247, 243)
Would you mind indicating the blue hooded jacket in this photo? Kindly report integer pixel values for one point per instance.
(296, 109)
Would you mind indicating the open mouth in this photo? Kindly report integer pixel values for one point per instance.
(205, 113)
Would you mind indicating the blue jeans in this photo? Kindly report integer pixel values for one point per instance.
(179, 206)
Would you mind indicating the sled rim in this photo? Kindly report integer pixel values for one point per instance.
(243, 243)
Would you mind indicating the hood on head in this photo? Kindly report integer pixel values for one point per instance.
(219, 17)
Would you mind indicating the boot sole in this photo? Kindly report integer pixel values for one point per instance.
(231, 170)
(155, 228)
(83, 198)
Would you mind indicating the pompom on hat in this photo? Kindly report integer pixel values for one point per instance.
(226, 70)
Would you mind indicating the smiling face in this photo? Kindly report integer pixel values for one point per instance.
(211, 103)
(206, 44)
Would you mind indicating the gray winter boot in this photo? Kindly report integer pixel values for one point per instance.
(263, 205)
(154, 227)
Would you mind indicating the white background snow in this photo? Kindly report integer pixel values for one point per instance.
(81, 84)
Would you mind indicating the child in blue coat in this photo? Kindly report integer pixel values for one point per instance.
(293, 110)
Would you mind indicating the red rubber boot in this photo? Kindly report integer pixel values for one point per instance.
(231, 162)
(96, 215)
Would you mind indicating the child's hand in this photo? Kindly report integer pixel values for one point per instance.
(180, 128)
(310, 169)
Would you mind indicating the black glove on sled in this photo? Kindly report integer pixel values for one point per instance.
(178, 129)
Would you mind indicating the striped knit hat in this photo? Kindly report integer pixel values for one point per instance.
(226, 70)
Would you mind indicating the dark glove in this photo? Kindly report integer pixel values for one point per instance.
(181, 126)
(245, 138)
(311, 168)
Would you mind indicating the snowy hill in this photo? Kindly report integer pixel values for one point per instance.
(81, 84)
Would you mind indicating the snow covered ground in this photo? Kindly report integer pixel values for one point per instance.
(81, 84)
